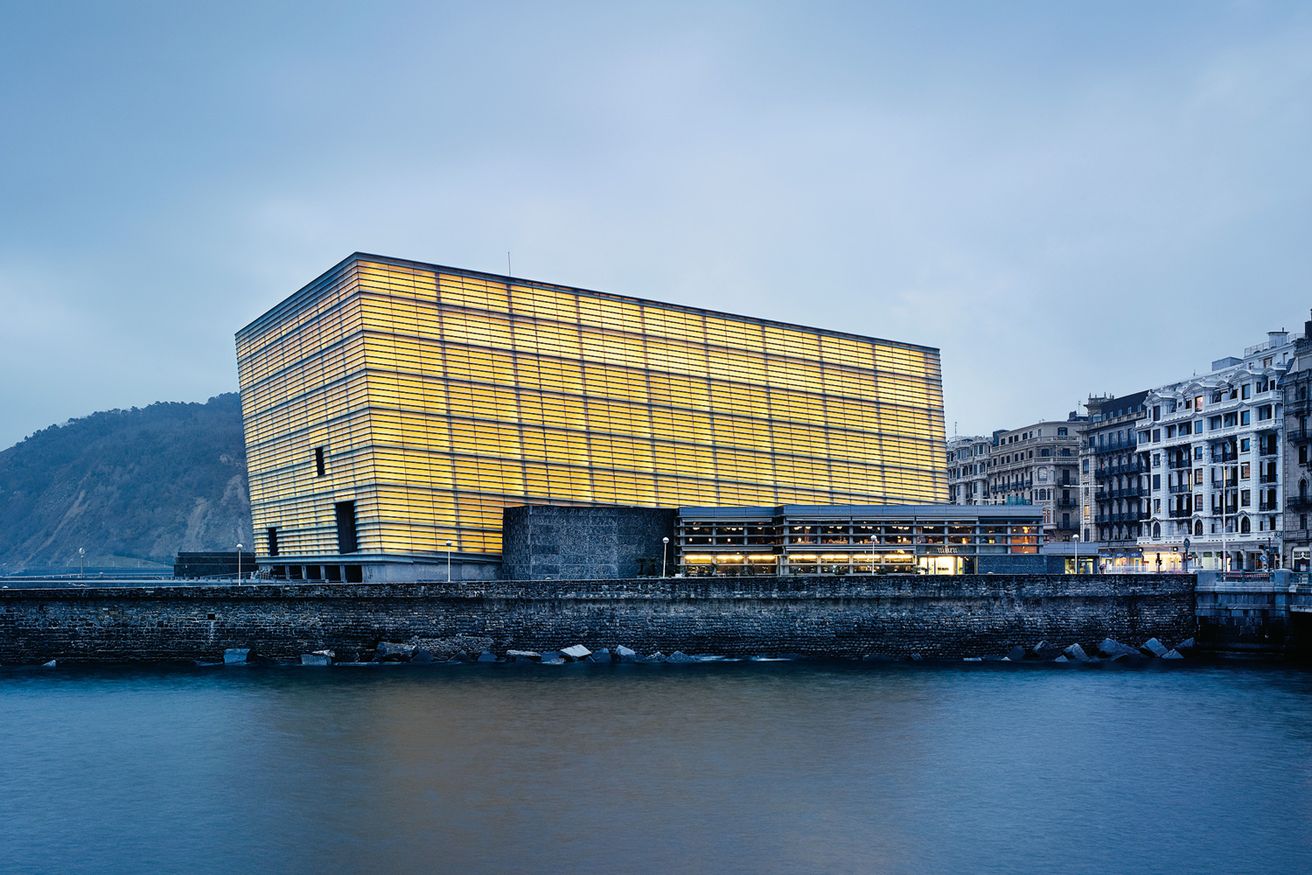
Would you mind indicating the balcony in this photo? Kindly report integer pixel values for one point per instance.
(1177, 462)
(1137, 466)
(1268, 506)
(1180, 488)
(1121, 447)
(1105, 518)
(1267, 479)
(1299, 503)
(1299, 436)
(1180, 513)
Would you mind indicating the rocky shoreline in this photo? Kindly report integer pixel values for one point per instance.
(470, 649)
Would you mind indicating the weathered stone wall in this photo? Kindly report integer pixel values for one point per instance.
(1251, 614)
(846, 617)
(542, 542)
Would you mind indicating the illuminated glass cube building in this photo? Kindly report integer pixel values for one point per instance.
(393, 409)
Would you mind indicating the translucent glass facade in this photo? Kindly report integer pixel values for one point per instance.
(432, 398)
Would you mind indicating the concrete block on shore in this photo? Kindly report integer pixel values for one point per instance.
(392, 650)
(1112, 648)
(236, 656)
(576, 651)
(1075, 653)
(679, 656)
(1172, 654)
(1153, 647)
(320, 657)
(523, 656)
(626, 654)
(552, 657)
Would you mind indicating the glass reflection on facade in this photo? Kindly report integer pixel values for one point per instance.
(393, 409)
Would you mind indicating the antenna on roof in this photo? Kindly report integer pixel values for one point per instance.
(509, 272)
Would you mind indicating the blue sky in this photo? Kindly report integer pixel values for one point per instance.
(1065, 198)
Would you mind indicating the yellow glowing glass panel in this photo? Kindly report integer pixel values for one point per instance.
(440, 397)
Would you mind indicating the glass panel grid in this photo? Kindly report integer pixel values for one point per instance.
(440, 398)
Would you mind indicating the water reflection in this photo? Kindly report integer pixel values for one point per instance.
(702, 768)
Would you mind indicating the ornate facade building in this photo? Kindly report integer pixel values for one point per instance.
(1215, 447)
(1296, 389)
(968, 469)
(1039, 464)
(1112, 480)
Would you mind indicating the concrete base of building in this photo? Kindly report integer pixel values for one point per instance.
(378, 569)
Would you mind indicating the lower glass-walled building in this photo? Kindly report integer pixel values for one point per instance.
(857, 539)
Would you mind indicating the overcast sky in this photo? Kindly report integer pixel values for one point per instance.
(1063, 200)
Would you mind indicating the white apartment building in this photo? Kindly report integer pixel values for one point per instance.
(1214, 446)
(968, 476)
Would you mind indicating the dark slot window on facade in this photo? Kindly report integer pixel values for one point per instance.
(347, 539)
(319, 468)
(273, 541)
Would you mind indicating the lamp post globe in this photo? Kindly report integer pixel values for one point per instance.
(240, 547)
(665, 549)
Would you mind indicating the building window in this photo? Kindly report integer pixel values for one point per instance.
(347, 536)
(273, 541)
(319, 468)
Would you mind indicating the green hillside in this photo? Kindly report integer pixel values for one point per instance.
(131, 486)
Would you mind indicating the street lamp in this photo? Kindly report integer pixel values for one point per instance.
(665, 549)
(1076, 539)
(82, 563)
(239, 549)
(448, 561)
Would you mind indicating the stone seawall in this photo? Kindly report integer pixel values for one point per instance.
(842, 617)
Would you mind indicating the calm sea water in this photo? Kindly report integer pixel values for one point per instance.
(711, 768)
